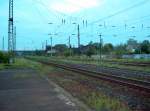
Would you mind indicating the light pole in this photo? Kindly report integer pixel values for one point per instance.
(73, 35)
(78, 35)
(100, 49)
(51, 38)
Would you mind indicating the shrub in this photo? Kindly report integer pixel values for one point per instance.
(4, 57)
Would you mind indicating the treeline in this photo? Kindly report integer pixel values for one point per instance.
(130, 47)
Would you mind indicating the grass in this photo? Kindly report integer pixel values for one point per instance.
(102, 102)
(24, 63)
(2, 66)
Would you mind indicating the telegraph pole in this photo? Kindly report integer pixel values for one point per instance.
(79, 39)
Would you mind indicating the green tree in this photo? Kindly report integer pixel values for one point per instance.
(145, 47)
(132, 46)
(91, 49)
(61, 49)
(120, 50)
(108, 48)
(4, 57)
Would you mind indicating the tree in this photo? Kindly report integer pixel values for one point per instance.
(4, 57)
(120, 50)
(61, 48)
(91, 49)
(132, 45)
(145, 47)
(108, 48)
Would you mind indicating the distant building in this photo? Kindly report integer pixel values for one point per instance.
(49, 51)
(132, 45)
(53, 51)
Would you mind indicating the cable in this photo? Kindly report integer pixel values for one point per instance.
(121, 11)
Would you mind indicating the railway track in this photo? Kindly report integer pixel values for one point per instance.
(127, 63)
(128, 73)
(141, 86)
(140, 64)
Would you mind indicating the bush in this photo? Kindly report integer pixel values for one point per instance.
(4, 57)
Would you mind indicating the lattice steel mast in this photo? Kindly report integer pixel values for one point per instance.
(10, 28)
(14, 40)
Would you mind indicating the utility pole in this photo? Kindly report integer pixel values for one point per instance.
(100, 49)
(79, 39)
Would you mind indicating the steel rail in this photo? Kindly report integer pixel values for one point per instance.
(136, 84)
(142, 64)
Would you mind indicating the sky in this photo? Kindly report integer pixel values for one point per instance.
(116, 20)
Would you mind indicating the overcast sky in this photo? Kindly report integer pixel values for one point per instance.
(108, 17)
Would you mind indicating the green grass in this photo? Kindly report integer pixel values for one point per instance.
(2, 66)
(24, 63)
(101, 102)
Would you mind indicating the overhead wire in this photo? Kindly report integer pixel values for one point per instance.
(102, 19)
(121, 11)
